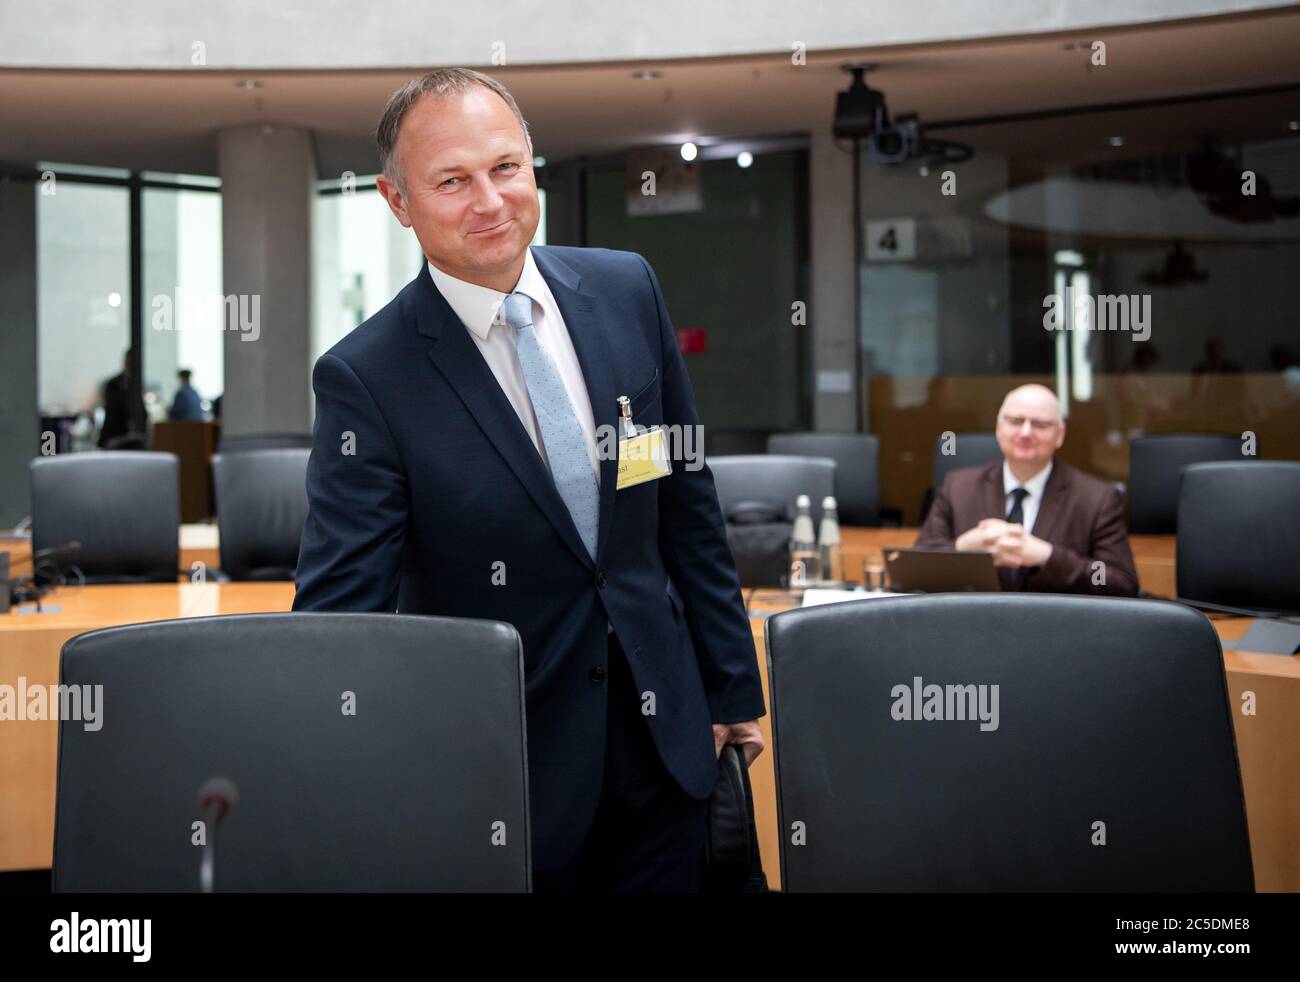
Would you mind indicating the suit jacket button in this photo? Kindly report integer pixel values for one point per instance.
(598, 674)
(600, 580)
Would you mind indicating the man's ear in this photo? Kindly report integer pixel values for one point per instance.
(396, 202)
(1060, 435)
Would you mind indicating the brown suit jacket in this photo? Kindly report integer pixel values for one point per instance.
(1082, 517)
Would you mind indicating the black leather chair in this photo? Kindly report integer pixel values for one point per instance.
(264, 441)
(123, 506)
(1239, 535)
(857, 469)
(261, 502)
(1112, 720)
(773, 480)
(969, 450)
(422, 787)
(1155, 467)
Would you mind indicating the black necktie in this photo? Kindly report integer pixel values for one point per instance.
(1016, 516)
(1012, 579)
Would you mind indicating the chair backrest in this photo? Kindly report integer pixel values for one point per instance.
(1239, 534)
(369, 751)
(261, 501)
(1155, 468)
(857, 469)
(123, 506)
(773, 480)
(966, 450)
(264, 441)
(1004, 742)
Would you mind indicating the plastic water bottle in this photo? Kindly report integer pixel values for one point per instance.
(805, 564)
(828, 541)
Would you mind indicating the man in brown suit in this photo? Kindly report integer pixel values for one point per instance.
(1051, 528)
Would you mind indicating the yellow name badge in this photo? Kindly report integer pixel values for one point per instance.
(642, 458)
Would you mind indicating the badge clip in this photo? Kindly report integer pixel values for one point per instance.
(626, 428)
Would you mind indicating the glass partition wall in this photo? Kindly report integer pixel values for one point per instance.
(97, 229)
(1140, 261)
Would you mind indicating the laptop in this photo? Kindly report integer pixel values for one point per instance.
(940, 571)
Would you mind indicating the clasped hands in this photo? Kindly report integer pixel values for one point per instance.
(1010, 544)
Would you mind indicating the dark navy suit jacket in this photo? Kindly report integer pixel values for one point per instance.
(445, 484)
(186, 405)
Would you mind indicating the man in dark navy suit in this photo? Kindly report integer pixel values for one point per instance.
(463, 466)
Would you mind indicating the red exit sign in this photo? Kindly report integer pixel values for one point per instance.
(691, 340)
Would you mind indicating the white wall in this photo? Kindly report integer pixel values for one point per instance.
(425, 33)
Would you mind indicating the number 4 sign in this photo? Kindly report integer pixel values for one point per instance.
(891, 239)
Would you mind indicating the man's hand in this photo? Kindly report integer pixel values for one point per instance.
(1016, 548)
(748, 735)
(983, 537)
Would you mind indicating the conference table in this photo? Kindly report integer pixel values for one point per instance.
(1153, 555)
(1268, 743)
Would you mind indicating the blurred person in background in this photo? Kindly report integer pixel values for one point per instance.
(186, 404)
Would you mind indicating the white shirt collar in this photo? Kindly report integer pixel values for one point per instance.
(477, 306)
(1034, 485)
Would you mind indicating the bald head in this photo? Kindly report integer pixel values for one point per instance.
(1030, 429)
(1033, 400)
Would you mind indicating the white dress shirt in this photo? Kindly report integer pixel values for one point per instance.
(1034, 486)
(479, 309)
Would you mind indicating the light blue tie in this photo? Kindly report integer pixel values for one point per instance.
(561, 435)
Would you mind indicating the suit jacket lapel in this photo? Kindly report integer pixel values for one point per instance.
(592, 347)
(1054, 503)
(994, 496)
(462, 364)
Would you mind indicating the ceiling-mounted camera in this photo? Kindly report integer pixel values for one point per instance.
(861, 114)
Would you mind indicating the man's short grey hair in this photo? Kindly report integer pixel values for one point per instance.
(440, 84)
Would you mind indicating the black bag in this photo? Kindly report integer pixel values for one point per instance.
(759, 537)
(731, 860)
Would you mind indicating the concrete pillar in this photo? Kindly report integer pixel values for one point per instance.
(268, 177)
(831, 316)
(19, 418)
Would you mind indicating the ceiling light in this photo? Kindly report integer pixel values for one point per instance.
(744, 158)
(689, 151)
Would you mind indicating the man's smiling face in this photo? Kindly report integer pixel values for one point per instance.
(470, 192)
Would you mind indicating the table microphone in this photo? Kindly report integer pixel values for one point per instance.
(217, 798)
(25, 589)
(52, 552)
